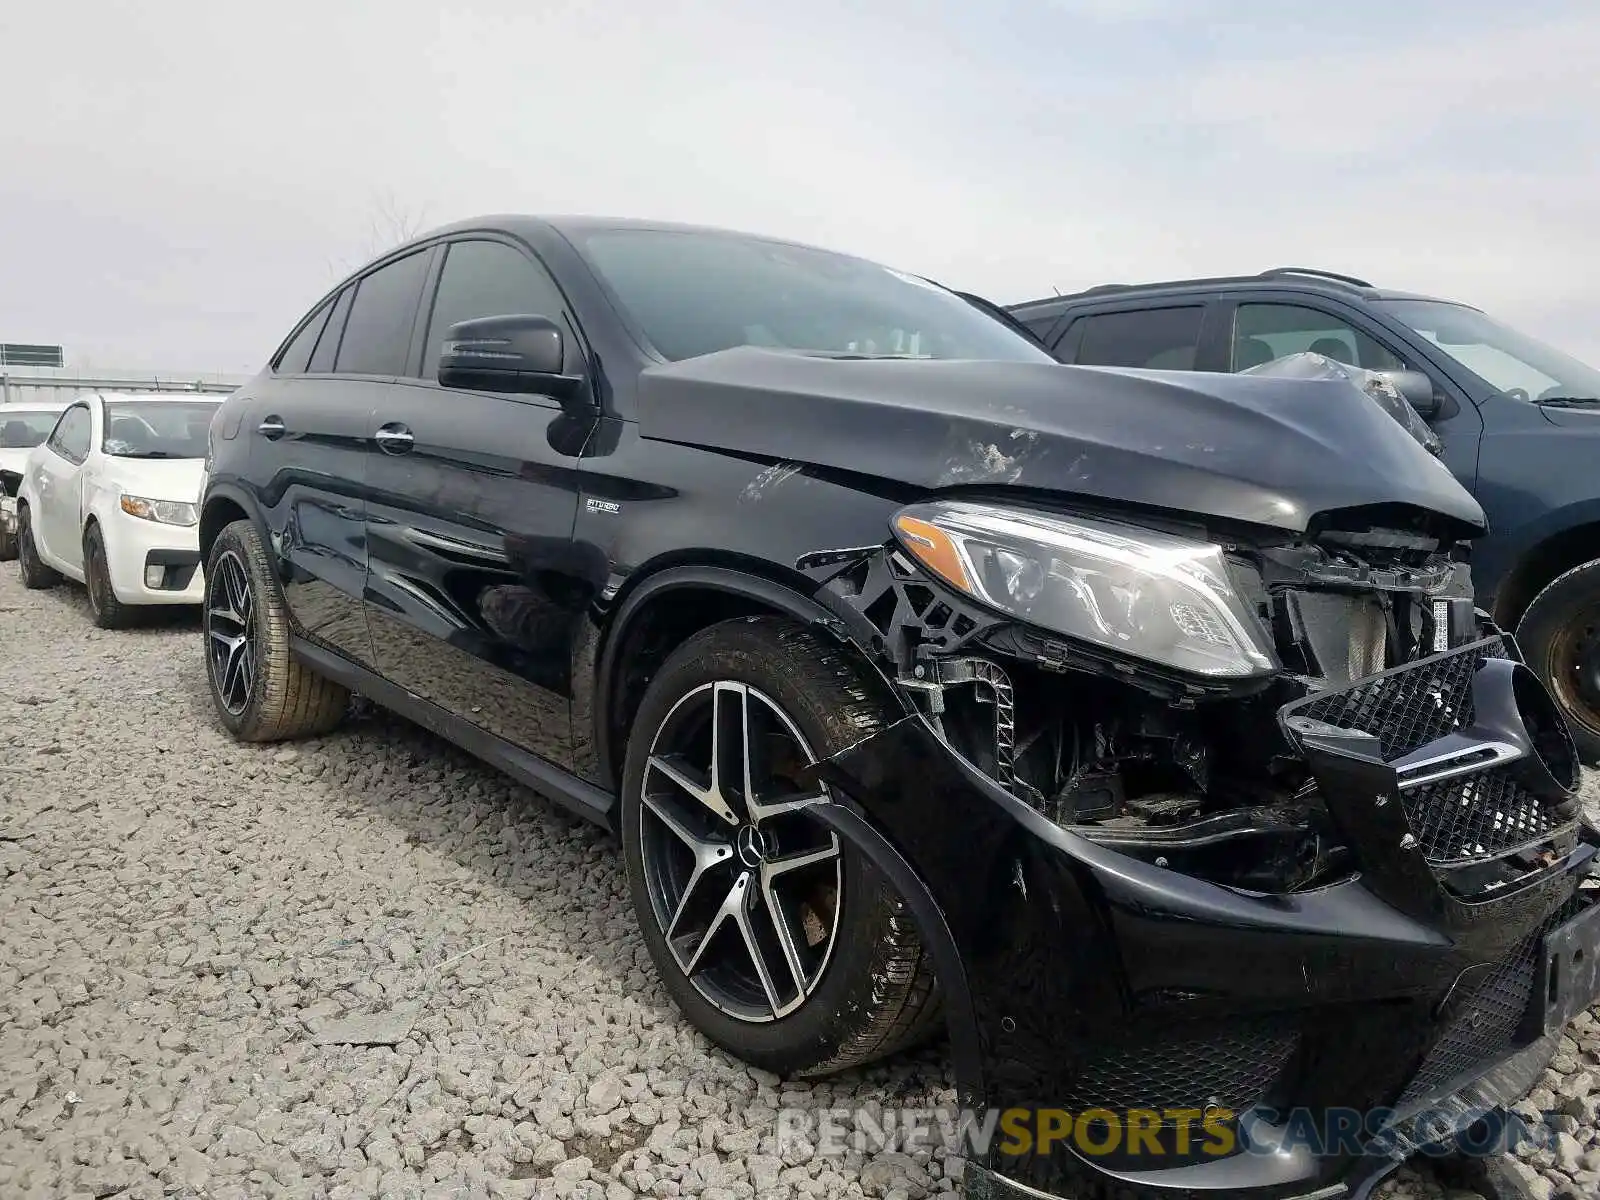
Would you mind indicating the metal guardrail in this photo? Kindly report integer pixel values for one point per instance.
(12, 384)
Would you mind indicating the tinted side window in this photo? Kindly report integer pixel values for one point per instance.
(1157, 338)
(377, 334)
(1263, 332)
(71, 438)
(296, 356)
(487, 279)
(328, 343)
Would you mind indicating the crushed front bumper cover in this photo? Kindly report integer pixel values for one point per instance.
(1428, 989)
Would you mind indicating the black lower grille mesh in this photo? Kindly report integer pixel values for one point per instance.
(1485, 1026)
(1474, 817)
(1404, 709)
(1189, 1065)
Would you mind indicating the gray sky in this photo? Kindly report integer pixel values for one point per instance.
(180, 180)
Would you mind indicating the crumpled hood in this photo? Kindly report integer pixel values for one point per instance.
(1272, 452)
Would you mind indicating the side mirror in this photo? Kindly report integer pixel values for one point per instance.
(520, 354)
(1417, 389)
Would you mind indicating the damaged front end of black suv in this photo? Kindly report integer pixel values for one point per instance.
(1252, 850)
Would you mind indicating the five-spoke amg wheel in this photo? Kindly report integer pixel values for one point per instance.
(1560, 637)
(262, 692)
(781, 943)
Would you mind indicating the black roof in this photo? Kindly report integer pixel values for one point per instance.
(1290, 278)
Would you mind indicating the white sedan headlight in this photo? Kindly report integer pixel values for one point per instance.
(1151, 595)
(167, 512)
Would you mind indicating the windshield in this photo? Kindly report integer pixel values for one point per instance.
(1510, 362)
(23, 429)
(694, 293)
(158, 428)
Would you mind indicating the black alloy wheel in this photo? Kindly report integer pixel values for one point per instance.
(230, 630)
(779, 939)
(744, 886)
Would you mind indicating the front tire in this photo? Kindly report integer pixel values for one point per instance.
(261, 691)
(1560, 637)
(35, 575)
(780, 943)
(108, 611)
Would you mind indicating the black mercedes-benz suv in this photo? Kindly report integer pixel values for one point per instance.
(1136, 728)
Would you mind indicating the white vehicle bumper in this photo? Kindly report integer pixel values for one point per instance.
(152, 563)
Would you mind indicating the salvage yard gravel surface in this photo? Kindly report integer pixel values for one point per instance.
(366, 966)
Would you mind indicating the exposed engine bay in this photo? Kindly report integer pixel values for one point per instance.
(1181, 771)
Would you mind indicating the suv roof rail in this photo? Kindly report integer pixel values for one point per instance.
(1316, 273)
(1102, 289)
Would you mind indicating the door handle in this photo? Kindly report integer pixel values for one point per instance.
(271, 427)
(394, 438)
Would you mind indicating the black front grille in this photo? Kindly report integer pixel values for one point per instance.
(1484, 1029)
(1475, 817)
(1405, 708)
(1470, 818)
(1190, 1064)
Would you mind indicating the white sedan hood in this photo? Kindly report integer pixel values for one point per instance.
(156, 478)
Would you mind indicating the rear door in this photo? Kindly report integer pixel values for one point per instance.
(58, 486)
(1165, 334)
(473, 596)
(311, 425)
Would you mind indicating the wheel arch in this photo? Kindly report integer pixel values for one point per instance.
(222, 507)
(671, 602)
(663, 606)
(1546, 561)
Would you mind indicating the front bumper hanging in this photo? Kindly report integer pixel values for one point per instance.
(1271, 1045)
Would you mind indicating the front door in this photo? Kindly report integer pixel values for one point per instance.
(58, 485)
(1267, 329)
(472, 595)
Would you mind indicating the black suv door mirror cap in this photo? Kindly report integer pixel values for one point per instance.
(523, 354)
(1418, 390)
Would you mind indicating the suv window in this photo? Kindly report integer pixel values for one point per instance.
(328, 343)
(487, 279)
(71, 438)
(377, 334)
(1164, 339)
(296, 356)
(1263, 332)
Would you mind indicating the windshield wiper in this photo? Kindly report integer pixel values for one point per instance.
(1569, 401)
(153, 454)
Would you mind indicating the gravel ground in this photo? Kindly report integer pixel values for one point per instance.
(193, 933)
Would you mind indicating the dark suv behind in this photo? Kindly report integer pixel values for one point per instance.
(1519, 422)
(931, 685)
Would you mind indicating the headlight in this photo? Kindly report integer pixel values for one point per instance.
(168, 512)
(1152, 595)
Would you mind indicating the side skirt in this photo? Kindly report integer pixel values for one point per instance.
(543, 777)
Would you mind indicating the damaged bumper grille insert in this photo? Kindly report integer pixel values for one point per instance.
(1472, 742)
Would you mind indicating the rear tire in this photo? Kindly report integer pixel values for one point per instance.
(108, 611)
(261, 691)
(1560, 637)
(35, 575)
(847, 978)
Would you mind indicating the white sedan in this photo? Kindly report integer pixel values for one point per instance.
(110, 499)
(22, 427)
